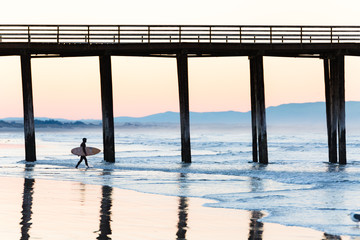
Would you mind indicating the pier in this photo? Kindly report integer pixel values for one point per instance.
(330, 43)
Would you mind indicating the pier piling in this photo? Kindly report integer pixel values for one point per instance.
(107, 108)
(258, 116)
(335, 107)
(340, 68)
(29, 125)
(182, 68)
(253, 113)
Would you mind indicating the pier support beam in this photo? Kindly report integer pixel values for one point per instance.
(258, 118)
(182, 68)
(29, 126)
(107, 108)
(253, 113)
(335, 107)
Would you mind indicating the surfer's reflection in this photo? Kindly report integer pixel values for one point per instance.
(82, 193)
(105, 208)
(183, 208)
(27, 202)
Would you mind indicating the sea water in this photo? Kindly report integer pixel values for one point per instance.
(297, 188)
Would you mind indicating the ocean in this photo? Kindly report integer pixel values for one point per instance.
(297, 188)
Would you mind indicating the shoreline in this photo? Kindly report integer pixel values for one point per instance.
(46, 208)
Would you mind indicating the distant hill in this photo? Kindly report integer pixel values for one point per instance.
(195, 117)
(50, 123)
(293, 113)
(309, 113)
(286, 114)
(296, 113)
(5, 124)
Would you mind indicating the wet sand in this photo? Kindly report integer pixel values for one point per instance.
(43, 209)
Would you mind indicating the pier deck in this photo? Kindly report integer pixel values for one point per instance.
(330, 43)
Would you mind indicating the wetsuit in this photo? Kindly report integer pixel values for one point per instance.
(83, 146)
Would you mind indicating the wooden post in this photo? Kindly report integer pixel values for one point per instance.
(331, 128)
(253, 111)
(260, 111)
(29, 126)
(340, 70)
(182, 68)
(107, 108)
(335, 108)
(257, 78)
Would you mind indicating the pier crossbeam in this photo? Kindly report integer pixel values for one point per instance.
(49, 50)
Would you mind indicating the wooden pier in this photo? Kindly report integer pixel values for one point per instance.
(330, 43)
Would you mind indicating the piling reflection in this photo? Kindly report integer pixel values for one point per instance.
(183, 207)
(27, 202)
(256, 228)
(333, 200)
(183, 217)
(105, 209)
(330, 237)
(332, 168)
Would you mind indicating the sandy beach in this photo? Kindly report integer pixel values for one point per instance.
(43, 209)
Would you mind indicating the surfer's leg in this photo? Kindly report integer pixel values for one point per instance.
(78, 164)
(81, 158)
(86, 163)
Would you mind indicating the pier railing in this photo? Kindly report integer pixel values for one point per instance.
(117, 34)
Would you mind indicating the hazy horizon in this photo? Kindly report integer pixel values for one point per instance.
(285, 113)
(45, 117)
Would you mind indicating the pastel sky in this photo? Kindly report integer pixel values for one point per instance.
(70, 87)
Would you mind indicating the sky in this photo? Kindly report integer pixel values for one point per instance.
(70, 87)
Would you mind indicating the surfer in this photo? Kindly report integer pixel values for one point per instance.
(83, 146)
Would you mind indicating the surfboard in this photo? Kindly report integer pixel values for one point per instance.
(89, 151)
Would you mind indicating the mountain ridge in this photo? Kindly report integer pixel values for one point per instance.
(291, 113)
